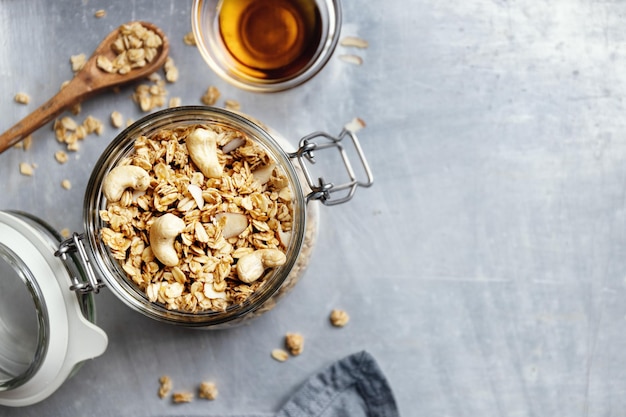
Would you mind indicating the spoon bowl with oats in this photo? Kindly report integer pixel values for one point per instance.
(131, 52)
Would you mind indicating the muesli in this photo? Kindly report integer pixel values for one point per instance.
(197, 216)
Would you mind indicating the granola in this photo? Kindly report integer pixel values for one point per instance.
(211, 96)
(150, 96)
(231, 104)
(117, 120)
(25, 144)
(22, 98)
(207, 390)
(280, 355)
(165, 386)
(182, 397)
(78, 62)
(294, 343)
(69, 132)
(339, 318)
(135, 47)
(171, 71)
(205, 274)
(189, 39)
(26, 169)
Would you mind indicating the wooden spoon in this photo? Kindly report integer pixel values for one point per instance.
(87, 82)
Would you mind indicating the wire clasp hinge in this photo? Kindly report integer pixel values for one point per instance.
(75, 244)
(320, 189)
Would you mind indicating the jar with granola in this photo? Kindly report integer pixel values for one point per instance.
(194, 216)
(198, 216)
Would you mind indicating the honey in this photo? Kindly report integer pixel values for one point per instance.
(270, 39)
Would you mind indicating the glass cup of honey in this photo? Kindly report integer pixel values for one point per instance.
(266, 45)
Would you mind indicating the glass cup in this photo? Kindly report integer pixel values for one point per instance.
(266, 45)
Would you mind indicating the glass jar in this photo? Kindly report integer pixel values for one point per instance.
(57, 279)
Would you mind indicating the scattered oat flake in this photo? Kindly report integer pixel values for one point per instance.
(189, 39)
(165, 386)
(65, 233)
(339, 318)
(182, 397)
(211, 96)
(280, 355)
(232, 105)
(355, 125)
(78, 62)
(207, 390)
(61, 157)
(22, 98)
(150, 96)
(351, 59)
(27, 142)
(294, 343)
(171, 72)
(26, 169)
(175, 102)
(66, 184)
(93, 125)
(76, 109)
(69, 132)
(117, 120)
(354, 41)
(100, 13)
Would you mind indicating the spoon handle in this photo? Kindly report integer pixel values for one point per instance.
(65, 98)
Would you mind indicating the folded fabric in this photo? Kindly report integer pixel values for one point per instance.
(354, 386)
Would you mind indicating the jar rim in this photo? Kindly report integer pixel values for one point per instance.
(121, 147)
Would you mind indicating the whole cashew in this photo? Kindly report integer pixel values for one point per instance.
(250, 267)
(162, 234)
(202, 147)
(122, 177)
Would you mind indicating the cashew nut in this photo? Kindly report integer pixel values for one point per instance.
(202, 147)
(162, 234)
(250, 267)
(122, 177)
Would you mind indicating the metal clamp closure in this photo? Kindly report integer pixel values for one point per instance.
(72, 245)
(320, 189)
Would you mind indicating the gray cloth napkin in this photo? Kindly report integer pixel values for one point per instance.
(354, 386)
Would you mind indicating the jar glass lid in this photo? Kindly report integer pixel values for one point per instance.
(44, 334)
(22, 322)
